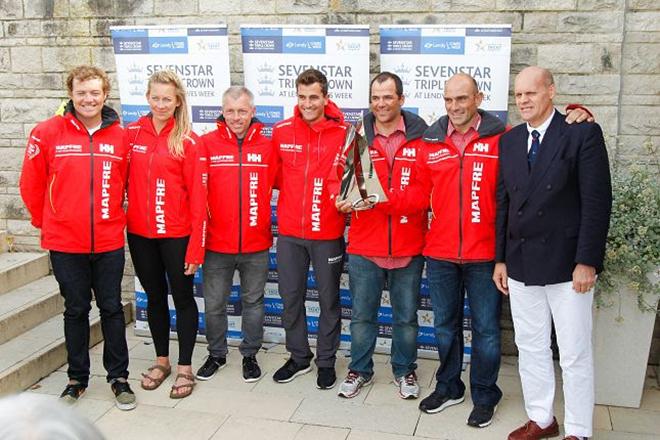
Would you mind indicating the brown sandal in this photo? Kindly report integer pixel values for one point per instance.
(155, 382)
(190, 386)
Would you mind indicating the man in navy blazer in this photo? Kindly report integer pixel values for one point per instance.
(554, 199)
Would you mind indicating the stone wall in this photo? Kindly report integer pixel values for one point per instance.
(604, 53)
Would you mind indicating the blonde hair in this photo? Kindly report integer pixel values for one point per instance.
(181, 115)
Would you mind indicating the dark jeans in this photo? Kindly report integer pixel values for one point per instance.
(293, 258)
(157, 261)
(78, 275)
(447, 283)
(367, 280)
(218, 278)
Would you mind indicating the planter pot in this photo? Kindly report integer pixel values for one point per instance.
(621, 351)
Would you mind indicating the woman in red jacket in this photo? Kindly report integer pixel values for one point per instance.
(166, 222)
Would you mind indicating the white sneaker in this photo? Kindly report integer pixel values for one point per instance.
(408, 386)
(351, 386)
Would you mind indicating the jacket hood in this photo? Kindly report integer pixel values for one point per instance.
(490, 125)
(331, 111)
(108, 115)
(415, 126)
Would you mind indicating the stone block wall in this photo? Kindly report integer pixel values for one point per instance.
(604, 53)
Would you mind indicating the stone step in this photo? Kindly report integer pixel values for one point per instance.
(20, 268)
(27, 358)
(28, 306)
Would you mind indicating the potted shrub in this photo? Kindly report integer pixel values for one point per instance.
(627, 291)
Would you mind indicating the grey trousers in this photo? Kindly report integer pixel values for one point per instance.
(293, 258)
(218, 270)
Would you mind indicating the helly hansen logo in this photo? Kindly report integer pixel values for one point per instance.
(253, 157)
(408, 152)
(107, 148)
(480, 147)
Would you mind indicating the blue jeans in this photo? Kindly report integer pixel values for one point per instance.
(78, 275)
(366, 281)
(447, 283)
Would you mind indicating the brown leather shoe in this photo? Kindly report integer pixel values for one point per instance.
(532, 431)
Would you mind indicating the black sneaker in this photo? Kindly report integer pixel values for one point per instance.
(290, 370)
(251, 370)
(72, 392)
(210, 367)
(481, 416)
(124, 396)
(326, 378)
(436, 402)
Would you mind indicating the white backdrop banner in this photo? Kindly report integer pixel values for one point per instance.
(198, 54)
(274, 56)
(426, 56)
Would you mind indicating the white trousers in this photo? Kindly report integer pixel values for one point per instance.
(533, 309)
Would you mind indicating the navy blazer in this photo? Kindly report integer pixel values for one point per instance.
(557, 214)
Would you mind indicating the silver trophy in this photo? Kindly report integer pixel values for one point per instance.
(359, 183)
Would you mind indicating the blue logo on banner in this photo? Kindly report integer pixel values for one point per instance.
(273, 306)
(353, 115)
(261, 32)
(345, 297)
(488, 32)
(311, 44)
(168, 45)
(131, 113)
(235, 293)
(403, 44)
(426, 335)
(400, 32)
(272, 260)
(261, 44)
(132, 45)
(414, 110)
(205, 114)
(313, 324)
(270, 114)
(129, 33)
(207, 31)
(385, 315)
(443, 45)
(141, 300)
(347, 32)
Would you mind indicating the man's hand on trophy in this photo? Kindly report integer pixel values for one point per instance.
(343, 206)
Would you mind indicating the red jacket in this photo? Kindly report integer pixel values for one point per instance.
(240, 184)
(307, 155)
(73, 183)
(376, 232)
(166, 194)
(461, 191)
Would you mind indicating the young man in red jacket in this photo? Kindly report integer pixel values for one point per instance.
(242, 170)
(310, 228)
(385, 247)
(73, 181)
(457, 172)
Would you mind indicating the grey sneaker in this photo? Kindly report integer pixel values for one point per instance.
(351, 386)
(124, 396)
(408, 386)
